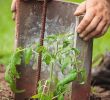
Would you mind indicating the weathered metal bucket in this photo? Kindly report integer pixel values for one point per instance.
(60, 19)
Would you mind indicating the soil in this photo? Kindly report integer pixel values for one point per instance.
(100, 94)
(101, 77)
(6, 93)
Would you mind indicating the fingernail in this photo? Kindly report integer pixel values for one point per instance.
(79, 30)
(81, 35)
(85, 39)
(75, 12)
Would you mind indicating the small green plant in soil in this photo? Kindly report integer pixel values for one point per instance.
(59, 56)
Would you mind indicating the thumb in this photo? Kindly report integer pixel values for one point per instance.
(81, 9)
(13, 6)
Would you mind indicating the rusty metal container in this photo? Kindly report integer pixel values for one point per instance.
(60, 19)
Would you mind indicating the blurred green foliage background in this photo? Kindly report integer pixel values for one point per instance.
(6, 31)
(7, 34)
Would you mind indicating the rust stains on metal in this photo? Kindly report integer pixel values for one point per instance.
(41, 39)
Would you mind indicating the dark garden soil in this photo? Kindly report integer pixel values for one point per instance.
(101, 78)
(100, 94)
(5, 92)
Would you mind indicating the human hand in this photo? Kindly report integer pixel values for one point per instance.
(96, 19)
(13, 8)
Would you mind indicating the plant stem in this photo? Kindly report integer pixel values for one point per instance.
(45, 85)
(51, 76)
(51, 72)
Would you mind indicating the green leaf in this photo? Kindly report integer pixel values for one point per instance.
(16, 58)
(7, 76)
(28, 55)
(65, 64)
(51, 38)
(47, 58)
(66, 43)
(76, 51)
(11, 73)
(83, 75)
(40, 87)
(69, 78)
(14, 71)
(41, 49)
(53, 56)
(61, 97)
(37, 96)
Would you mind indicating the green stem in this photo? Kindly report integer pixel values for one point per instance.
(51, 72)
(45, 85)
(51, 77)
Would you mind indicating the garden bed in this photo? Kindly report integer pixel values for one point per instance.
(5, 92)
